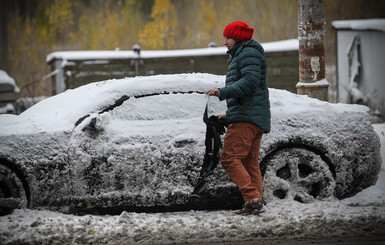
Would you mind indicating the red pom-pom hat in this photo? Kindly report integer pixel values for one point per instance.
(238, 30)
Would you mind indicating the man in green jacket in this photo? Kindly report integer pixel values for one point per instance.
(248, 113)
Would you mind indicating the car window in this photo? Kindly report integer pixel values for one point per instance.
(167, 106)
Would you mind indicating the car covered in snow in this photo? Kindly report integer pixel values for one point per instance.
(138, 144)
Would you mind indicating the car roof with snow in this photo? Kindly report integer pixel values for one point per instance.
(62, 111)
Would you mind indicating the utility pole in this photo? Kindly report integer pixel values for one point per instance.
(311, 33)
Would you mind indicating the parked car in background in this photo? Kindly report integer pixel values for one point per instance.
(137, 144)
(9, 93)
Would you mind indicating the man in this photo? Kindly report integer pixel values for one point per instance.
(248, 113)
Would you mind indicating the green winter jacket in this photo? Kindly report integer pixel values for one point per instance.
(246, 90)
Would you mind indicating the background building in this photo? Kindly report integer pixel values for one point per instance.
(360, 63)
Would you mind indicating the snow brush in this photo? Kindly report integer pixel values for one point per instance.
(214, 129)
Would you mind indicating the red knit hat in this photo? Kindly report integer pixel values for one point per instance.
(238, 30)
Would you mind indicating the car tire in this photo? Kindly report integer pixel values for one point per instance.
(12, 190)
(297, 173)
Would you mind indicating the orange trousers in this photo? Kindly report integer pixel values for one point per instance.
(240, 158)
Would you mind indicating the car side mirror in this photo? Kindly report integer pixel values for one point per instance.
(91, 126)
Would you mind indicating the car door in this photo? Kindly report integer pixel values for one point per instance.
(146, 151)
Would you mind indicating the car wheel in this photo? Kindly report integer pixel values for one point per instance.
(297, 173)
(12, 192)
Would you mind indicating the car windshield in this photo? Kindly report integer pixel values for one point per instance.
(167, 106)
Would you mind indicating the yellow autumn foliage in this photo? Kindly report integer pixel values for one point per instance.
(58, 25)
(159, 33)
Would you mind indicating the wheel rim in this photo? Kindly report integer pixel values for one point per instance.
(12, 192)
(299, 174)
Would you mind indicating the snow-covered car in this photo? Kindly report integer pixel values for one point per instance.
(138, 144)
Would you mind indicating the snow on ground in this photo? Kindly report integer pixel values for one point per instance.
(361, 215)
(282, 219)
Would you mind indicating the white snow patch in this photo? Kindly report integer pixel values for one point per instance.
(365, 24)
(277, 46)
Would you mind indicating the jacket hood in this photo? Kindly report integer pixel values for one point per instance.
(254, 44)
(246, 43)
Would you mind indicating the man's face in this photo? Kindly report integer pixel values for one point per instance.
(229, 42)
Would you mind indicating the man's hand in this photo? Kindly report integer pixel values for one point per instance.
(213, 92)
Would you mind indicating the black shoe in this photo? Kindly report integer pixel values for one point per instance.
(252, 207)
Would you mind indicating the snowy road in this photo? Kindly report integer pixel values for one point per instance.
(286, 220)
(358, 220)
